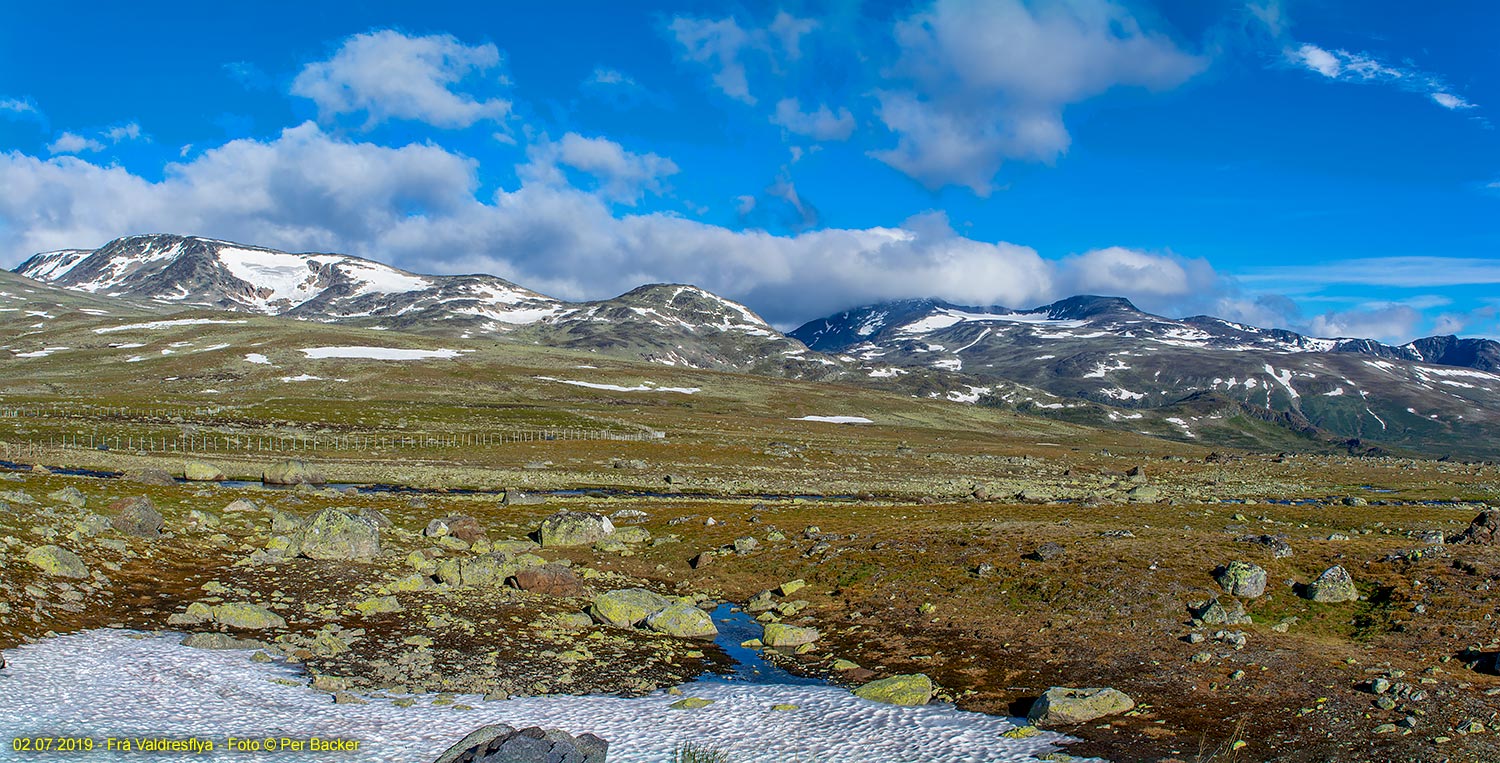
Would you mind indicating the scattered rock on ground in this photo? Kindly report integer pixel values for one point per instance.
(58, 562)
(1481, 531)
(783, 635)
(1333, 586)
(291, 472)
(200, 471)
(910, 689)
(137, 516)
(335, 534)
(1065, 706)
(627, 607)
(1241, 579)
(502, 744)
(684, 620)
(553, 579)
(574, 528)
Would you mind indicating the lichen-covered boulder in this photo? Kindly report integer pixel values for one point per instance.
(910, 689)
(465, 528)
(200, 471)
(783, 635)
(552, 579)
(69, 495)
(291, 472)
(1216, 612)
(1484, 530)
(1065, 706)
(57, 561)
(1241, 579)
(626, 607)
(482, 570)
(247, 616)
(684, 620)
(137, 516)
(335, 534)
(1333, 586)
(574, 528)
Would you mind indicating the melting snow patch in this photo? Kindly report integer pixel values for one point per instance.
(109, 683)
(1183, 425)
(836, 419)
(642, 387)
(301, 378)
(378, 353)
(161, 325)
(886, 373)
(42, 353)
(1100, 369)
(972, 394)
(258, 359)
(1337, 391)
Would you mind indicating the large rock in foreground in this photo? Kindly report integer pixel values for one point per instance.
(1333, 586)
(627, 607)
(335, 534)
(783, 635)
(58, 562)
(1064, 706)
(1241, 579)
(247, 616)
(574, 528)
(912, 689)
(502, 744)
(683, 620)
(137, 516)
(291, 472)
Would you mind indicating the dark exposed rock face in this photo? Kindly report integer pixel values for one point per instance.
(137, 516)
(502, 744)
(1481, 531)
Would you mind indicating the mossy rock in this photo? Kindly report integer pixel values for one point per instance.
(57, 562)
(626, 607)
(247, 616)
(683, 620)
(1066, 706)
(200, 471)
(574, 528)
(379, 605)
(908, 689)
(690, 703)
(783, 635)
(335, 534)
(291, 472)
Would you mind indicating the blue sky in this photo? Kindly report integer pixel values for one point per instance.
(1331, 167)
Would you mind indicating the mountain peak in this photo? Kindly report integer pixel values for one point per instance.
(1085, 306)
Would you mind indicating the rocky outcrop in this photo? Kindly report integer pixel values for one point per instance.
(1482, 531)
(503, 744)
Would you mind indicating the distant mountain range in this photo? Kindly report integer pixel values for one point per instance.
(1094, 360)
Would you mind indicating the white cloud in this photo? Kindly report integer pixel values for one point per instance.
(1117, 270)
(1345, 66)
(1412, 272)
(17, 108)
(73, 143)
(118, 133)
(624, 176)
(988, 81)
(1451, 102)
(822, 124)
(1395, 323)
(415, 206)
(789, 31)
(717, 44)
(721, 45)
(389, 75)
(606, 76)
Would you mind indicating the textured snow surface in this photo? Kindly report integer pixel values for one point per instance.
(108, 683)
(161, 325)
(378, 353)
(642, 387)
(836, 419)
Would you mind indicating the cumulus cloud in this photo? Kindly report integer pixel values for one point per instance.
(124, 132)
(415, 206)
(623, 176)
(788, 31)
(1117, 270)
(822, 124)
(15, 108)
(73, 143)
(388, 75)
(984, 82)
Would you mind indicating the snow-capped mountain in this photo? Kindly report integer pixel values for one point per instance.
(669, 324)
(1103, 356)
(192, 271)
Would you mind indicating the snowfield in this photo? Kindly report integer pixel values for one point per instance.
(162, 325)
(113, 683)
(379, 353)
(642, 387)
(836, 419)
